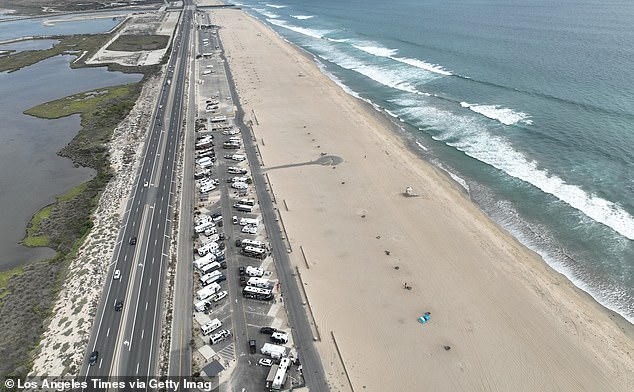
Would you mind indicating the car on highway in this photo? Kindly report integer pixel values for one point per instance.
(265, 362)
(145, 184)
(93, 358)
(116, 275)
(118, 306)
(133, 241)
(268, 330)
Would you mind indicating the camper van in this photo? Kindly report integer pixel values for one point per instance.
(208, 328)
(201, 262)
(253, 243)
(236, 170)
(248, 202)
(251, 251)
(262, 283)
(257, 293)
(243, 207)
(254, 271)
(200, 228)
(209, 247)
(201, 305)
(273, 350)
(208, 268)
(207, 291)
(249, 221)
(219, 336)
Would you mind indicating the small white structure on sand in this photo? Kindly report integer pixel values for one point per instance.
(409, 192)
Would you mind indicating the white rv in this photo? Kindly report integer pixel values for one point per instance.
(249, 221)
(207, 291)
(201, 262)
(273, 350)
(262, 283)
(239, 185)
(204, 226)
(208, 328)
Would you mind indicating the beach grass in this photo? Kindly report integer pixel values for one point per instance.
(4, 279)
(135, 43)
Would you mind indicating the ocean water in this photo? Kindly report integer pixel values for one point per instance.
(528, 104)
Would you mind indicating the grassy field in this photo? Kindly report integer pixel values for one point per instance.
(134, 43)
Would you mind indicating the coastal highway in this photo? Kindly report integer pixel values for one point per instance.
(128, 340)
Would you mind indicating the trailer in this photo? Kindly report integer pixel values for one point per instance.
(201, 262)
(204, 226)
(280, 375)
(262, 283)
(207, 291)
(273, 350)
(249, 221)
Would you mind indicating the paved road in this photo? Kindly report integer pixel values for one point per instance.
(302, 333)
(128, 341)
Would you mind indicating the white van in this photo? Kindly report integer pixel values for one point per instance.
(210, 327)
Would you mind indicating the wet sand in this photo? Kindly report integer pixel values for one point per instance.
(501, 320)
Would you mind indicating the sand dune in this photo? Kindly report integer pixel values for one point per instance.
(510, 322)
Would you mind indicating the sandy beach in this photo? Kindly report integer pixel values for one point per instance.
(501, 319)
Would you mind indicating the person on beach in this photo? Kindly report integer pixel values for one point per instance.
(424, 318)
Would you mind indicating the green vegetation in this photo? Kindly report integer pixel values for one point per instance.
(28, 294)
(5, 276)
(67, 45)
(134, 43)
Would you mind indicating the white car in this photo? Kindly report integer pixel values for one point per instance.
(117, 275)
(252, 229)
(265, 362)
(146, 184)
(231, 132)
(219, 296)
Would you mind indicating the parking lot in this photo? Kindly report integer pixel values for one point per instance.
(236, 291)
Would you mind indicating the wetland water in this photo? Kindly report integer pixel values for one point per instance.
(31, 172)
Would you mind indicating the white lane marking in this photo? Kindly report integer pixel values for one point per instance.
(108, 333)
(139, 296)
(100, 362)
(137, 368)
(142, 333)
(146, 306)
(150, 283)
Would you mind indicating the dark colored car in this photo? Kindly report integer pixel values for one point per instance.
(132, 240)
(220, 258)
(268, 330)
(221, 236)
(118, 306)
(252, 347)
(243, 281)
(223, 264)
(93, 357)
(221, 246)
(242, 271)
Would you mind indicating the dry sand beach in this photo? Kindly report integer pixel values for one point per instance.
(511, 322)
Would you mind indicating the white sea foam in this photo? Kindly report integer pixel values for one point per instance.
(422, 146)
(495, 112)
(275, 6)
(461, 181)
(376, 50)
(423, 65)
(319, 34)
(269, 14)
(337, 39)
(303, 17)
(472, 137)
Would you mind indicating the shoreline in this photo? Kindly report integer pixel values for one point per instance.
(545, 291)
(405, 132)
